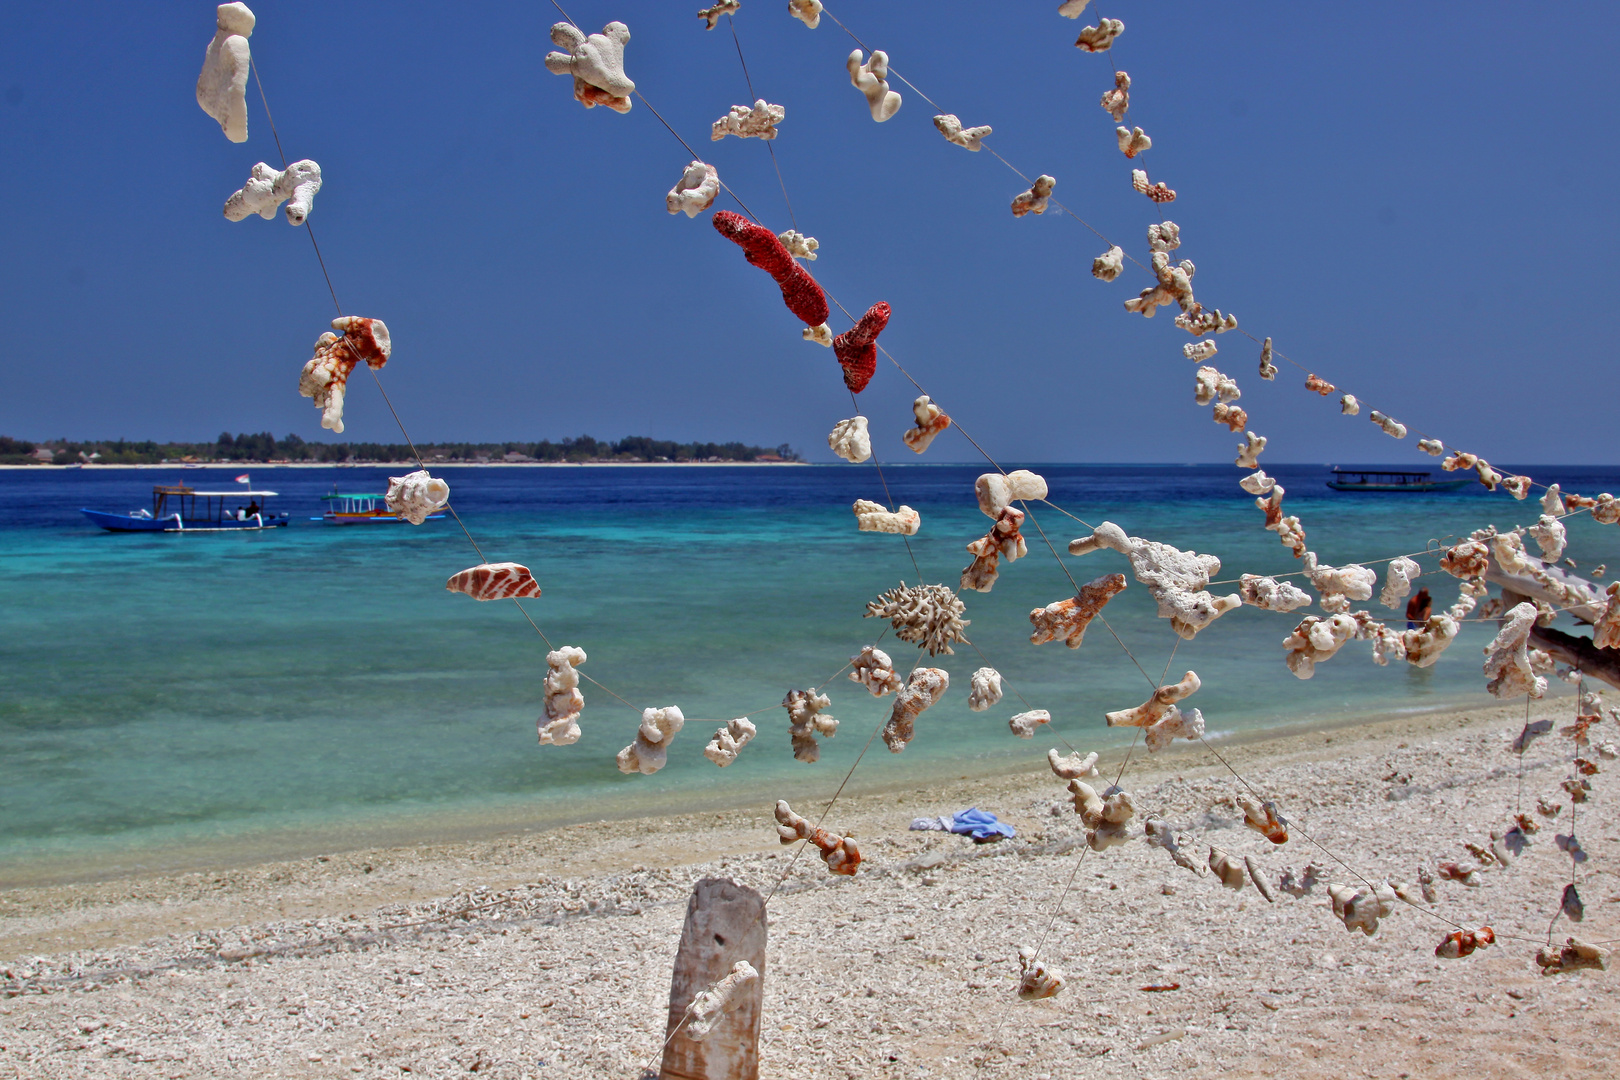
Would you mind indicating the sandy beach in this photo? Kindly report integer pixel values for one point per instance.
(549, 954)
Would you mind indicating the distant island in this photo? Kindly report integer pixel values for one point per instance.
(265, 448)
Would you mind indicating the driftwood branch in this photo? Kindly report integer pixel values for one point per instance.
(1578, 652)
(1541, 585)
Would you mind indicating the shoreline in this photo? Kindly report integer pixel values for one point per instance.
(403, 464)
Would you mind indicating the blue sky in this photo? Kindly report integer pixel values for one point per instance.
(1409, 198)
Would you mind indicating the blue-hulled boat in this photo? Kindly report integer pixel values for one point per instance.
(1390, 480)
(183, 510)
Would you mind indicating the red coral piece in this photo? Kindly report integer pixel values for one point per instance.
(800, 292)
(856, 347)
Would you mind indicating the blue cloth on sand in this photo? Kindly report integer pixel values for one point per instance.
(980, 824)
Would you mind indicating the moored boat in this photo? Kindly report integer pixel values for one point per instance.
(1390, 480)
(359, 510)
(183, 509)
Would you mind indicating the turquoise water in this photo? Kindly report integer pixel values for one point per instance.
(182, 698)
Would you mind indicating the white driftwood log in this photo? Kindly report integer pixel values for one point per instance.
(725, 923)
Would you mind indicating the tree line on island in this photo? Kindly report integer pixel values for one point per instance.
(266, 448)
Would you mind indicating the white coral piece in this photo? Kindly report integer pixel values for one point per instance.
(564, 702)
(929, 616)
(1507, 660)
(1391, 428)
(873, 669)
(650, 751)
(1398, 580)
(850, 440)
(1349, 406)
(267, 188)
(1249, 450)
(1316, 639)
(1164, 236)
(725, 995)
(803, 247)
(1269, 594)
(985, 689)
(745, 123)
(951, 127)
(1360, 908)
(1132, 142)
(416, 495)
(872, 517)
(1024, 724)
(728, 742)
(711, 15)
(806, 720)
(1199, 351)
(1100, 38)
(595, 62)
(1338, 585)
(997, 491)
(930, 420)
(923, 689)
(695, 191)
(806, 11)
(1117, 102)
(1175, 579)
(222, 86)
(1035, 199)
(1257, 483)
(872, 80)
(1109, 264)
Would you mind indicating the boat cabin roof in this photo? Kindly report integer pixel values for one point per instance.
(367, 495)
(182, 490)
(1378, 472)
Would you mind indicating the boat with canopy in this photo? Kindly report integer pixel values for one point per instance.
(180, 509)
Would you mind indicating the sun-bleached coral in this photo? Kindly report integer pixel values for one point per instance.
(1349, 406)
(596, 63)
(929, 616)
(1164, 236)
(806, 11)
(1264, 819)
(997, 491)
(325, 376)
(851, 440)
(1387, 644)
(1606, 509)
(1159, 193)
(416, 496)
(758, 122)
(727, 742)
(1360, 907)
(695, 191)
(1425, 644)
(1319, 386)
(984, 689)
(1575, 955)
(1174, 287)
(1072, 9)
(1398, 578)
(1036, 980)
(838, 852)
(1257, 483)
(1158, 704)
(495, 581)
(1316, 639)
(1132, 142)
(1024, 724)
(651, 749)
(1072, 767)
(930, 420)
(803, 247)
(1174, 578)
(1390, 427)
(709, 1006)
(1288, 529)
(1206, 321)
(1175, 724)
(711, 15)
(1212, 385)
(1464, 873)
(559, 725)
(1099, 38)
(1034, 200)
(1517, 486)
(873, 669)
(1460, 943)
(1467, 560)
(1268, 370)
(872, 517)
(1338, 585)
(267, 188)
(950, 126)
(1003, 540)
(1269, 594)
(800, 292)
(872, 80)
(1117, 102)
(1606, 630)
(1432, 447)
(1066, 620)
(1234, 417)
(856, 348)
(1106, 816)
(1508, 550)
(821, 333)
(1489, 478)
(1258, 876)
(1229, 870)
(1249, 450)
(1108, 265)
(1160, 834)
(222, 86)
(806, 721)
(923, 689)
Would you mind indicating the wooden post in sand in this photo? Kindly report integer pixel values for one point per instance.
(725, 923)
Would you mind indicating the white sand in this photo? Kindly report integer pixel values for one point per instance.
(549, 955)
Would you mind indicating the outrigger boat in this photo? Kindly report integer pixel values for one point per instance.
(176, 509)
(360, 510)
(1387, 480)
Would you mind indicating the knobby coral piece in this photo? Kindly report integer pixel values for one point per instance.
(1460, 943)
(1338, 585)
(1132, 142)
(929, 616)
(1117, 101)
(873, 517)
(560, 723)
(1024, 724)
(873, 669)
(1201, 321)
(1157, 192)
(838, 852)
(1391, 428)
(806, 11)
(872, 80)
(1161, 835)
(745, 123)
(495, 581)
(1100, 38)
(416, 496)
(1161, 717)
(850, 440)
(1234, 417)
(1269, 594)
(267, 188)
(1606, 630)
(1507, 659)
(1199, 351)
(856, 348)
(951, 127)
(727, 742)
(1211, 385)
(709, 1006)
(1106, 816)
(1003, 540)
(800, 292)
(1175, 579)
(651, 749)
(1360, 908)
(1229, 870)
(1316, 639)
(711, 15)
(1174, 287)
(923, 689)
(595, 62)
(1035, 199)
(695, 191)
(1348, 405)
(1066, 620)
(1319, 386)
(1108, 265)
(803, 247)
(222, 86)
(1264, 819)
(325, 377)
(1037, 981)
(1268, 370)
(930, 421)
(984, 689)
(806, 721)
(1575, 955)
(1072, 767)
(1249, 451)
(1467, 560)
(997, 491)
(1425, 644)
(1398, 579)
(1432, 447)
(1517, 486)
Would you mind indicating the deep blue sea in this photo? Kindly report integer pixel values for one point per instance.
(185, 699)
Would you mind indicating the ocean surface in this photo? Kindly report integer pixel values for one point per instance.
(181, 700)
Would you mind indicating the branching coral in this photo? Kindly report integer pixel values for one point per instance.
(872, 80)
(1174, 287)
(728, 741)
(595, 62)
(1159, 193)
(803, 247)
(1034, 200)
(850, 440)
(856, 348)
(1211, 385)
(495, 581)
(760, 246)
(929, 616)
(416, 496)
(923, 689)
(1066, 620)
(1174, 578)
(1249, 450)
(873, 669)
(930, 421)
(1003, 540)
(1106, 816)
(222, 86)
(711, 15)
(1269, 594)
(564, 702)
(745, 123)
(709, 1006)
(950, 126)
(325, 377)
(1203, 321)
(1132, 142)
(650, 751)
(267, 188)
(694, 192)
(806, 721)
(838, 852)
(872, 517)
(1161, 717)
